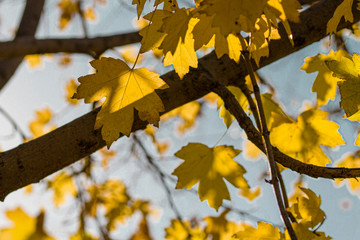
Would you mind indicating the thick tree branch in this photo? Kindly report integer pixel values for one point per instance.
(93, 46)
(32, 161)
(27, 27)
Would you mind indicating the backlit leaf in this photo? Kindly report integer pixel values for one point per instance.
(24, 227)
(307, 209)
(349, 71)
(302, 139)
(343, 10)
(325, 83)
(263, 231)
(209, 166)
(125, 89)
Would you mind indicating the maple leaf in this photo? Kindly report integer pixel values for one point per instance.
(178, 44)
(24, 227)
(68, 9)
(233, 15)
(71, 87)
(209, 166)
(89, 14)
(302, 139)
(349, 71)
(125, 89)
(183, 231)
(325, 83)
(151, 35)
(33, 60)
(139, 6)
(343, 10)
(273, 111)
(62, 185)
(263, 231)
(307, 209)
(38, 126)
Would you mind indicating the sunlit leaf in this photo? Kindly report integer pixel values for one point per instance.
(302, 139)
(125, 89)
(209, 166)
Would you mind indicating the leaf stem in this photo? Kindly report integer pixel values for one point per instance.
(269, 150)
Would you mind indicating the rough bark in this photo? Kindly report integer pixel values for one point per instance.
(32, 161)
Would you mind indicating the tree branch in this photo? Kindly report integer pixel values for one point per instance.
(32, 161)
(27, 27)
(29, 45)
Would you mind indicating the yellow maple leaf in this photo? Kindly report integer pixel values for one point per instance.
(232, 16)
(263, 231)
(71, 87)
(62, 185)
(183, 231)
(89, 14)
(250, 194)
(343, 10)
(151, 35)
(33, 60)
(24, 227)
(178, 44)
(348, 70)
(325, 83)
(307, 209)
(38, 126)
(139, 6)
(125, 89)
(68, 9)
(302, 139)
(209, 166)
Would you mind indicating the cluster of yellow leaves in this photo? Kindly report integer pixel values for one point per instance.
(24, 227)
(179, 33)
(39, 126)
(307, 213)
(125, 89)
(208, 167)
(302, 139)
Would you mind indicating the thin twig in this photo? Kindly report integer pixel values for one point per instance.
(162, 177)
(269, 150)
(13, 123)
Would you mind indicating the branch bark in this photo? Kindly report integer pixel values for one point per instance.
(32, 161)
(93, 46)
(28, 25)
